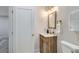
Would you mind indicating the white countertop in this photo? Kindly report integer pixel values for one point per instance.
(47, 35)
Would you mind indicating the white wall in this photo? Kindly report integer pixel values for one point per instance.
(40, 25)
(65, 34)
(4, 25)
(4, 10)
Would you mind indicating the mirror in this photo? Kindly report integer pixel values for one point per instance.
(52, 20)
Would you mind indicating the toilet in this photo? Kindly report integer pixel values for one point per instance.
(68, 47)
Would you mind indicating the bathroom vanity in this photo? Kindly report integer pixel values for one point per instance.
(48, 43)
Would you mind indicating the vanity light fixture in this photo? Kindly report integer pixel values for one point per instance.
(52, 10)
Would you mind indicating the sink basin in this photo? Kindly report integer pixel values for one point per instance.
(47, 35)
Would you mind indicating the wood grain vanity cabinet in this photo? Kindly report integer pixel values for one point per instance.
(48, 44)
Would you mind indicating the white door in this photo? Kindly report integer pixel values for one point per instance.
(22, 30)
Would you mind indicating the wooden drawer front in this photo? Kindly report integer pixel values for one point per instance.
(53, 46)
(45, 41)
(45, 45)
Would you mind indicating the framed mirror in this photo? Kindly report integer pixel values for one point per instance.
(52, 20)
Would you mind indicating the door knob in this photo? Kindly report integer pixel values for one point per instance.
(32, 34)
